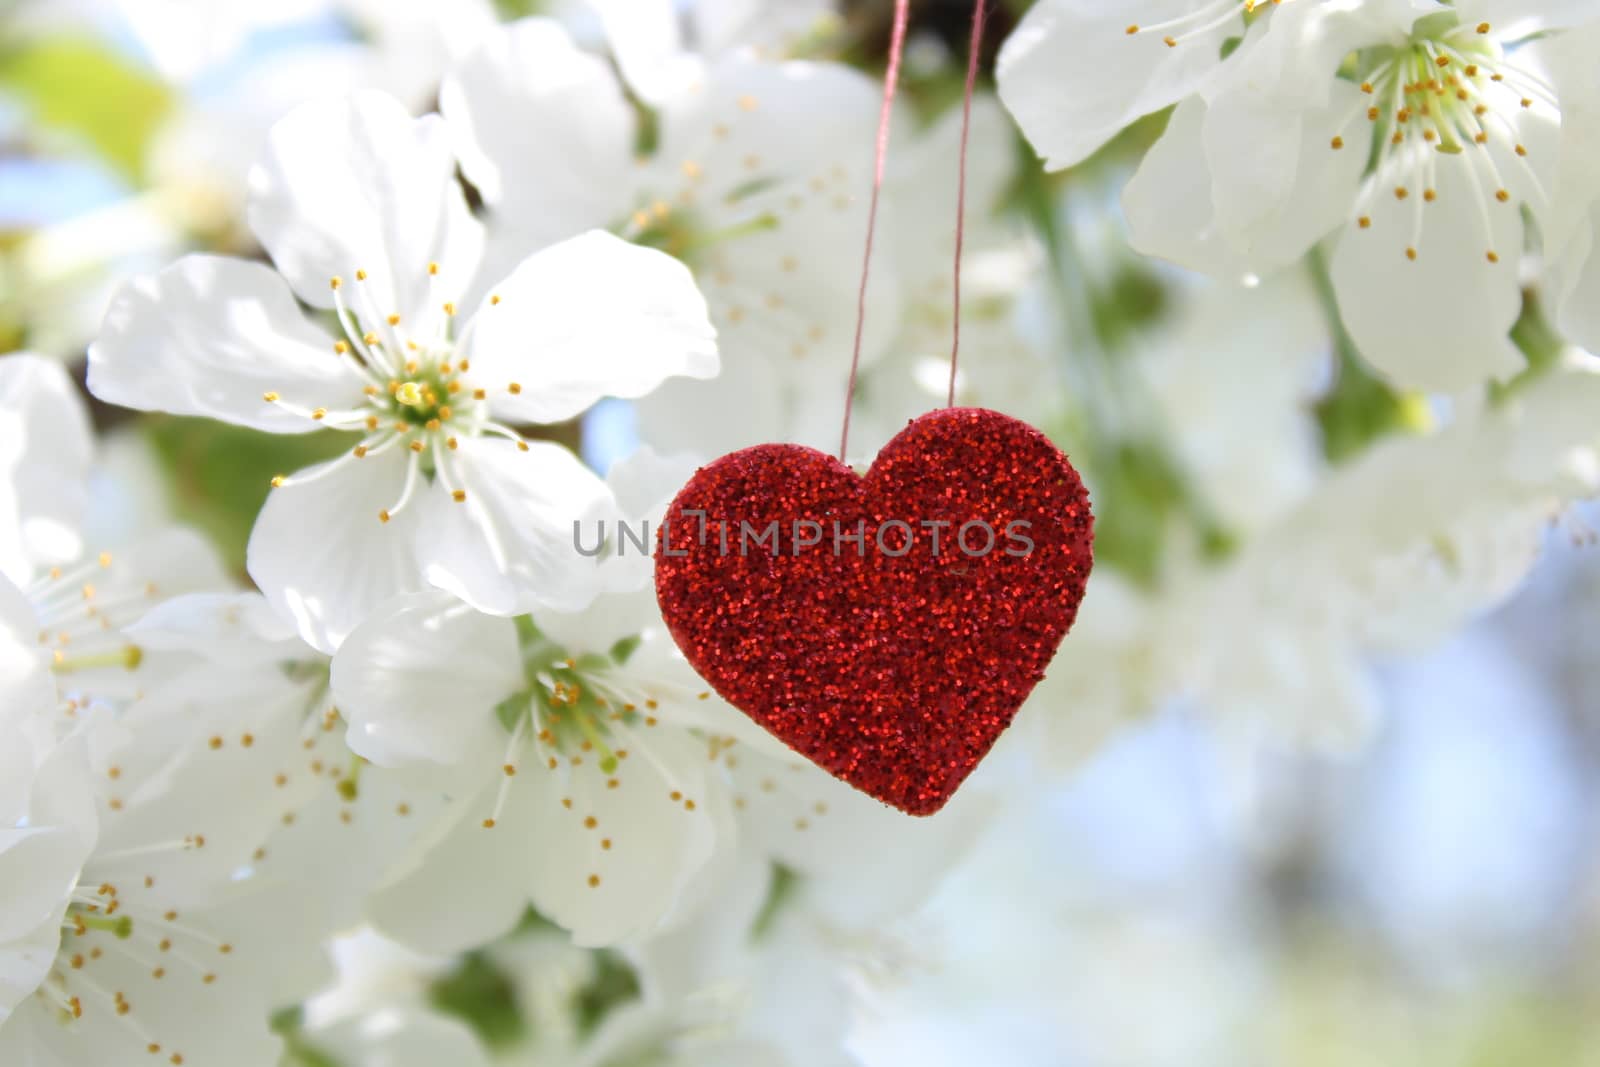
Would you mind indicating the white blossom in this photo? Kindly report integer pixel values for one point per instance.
(1413, 133)
(755, 180)
(129, 938)
(357, 203)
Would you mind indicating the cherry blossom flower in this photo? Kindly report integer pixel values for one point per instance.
(753, 401)
(357, 204)
(590, 794)
(1415, 134)
(753, 175)
(65, 608)
(252, 706)
(128, 937)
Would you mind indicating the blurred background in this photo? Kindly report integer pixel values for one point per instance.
(1426, 894)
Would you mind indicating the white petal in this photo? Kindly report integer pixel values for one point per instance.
(598, 628)
(509, 545)
(347, 846)
(642, 485)
(780, 155)
(656, 669)
(644, 481)
(1421, 597)
(322, 557)
(222, 1021)
(747, 403)
(863, 862)
(1575, 280)
(648, 48)
(1072, 75)
(789, 294)
(1572, 231)
(210, 336)
(1170, 206)
(659, 847)
(1168, 200)
(358, 184)
(1439, 323)
(1515, 19)
(39, 865)
(465, 887)
(45, 446)
(750, 120)
(768, 29)
(238, 628)
(391, 1037)
(170, 561)
(184, 770)
(26, 685)
(420, 679)
(38, 874)
(591, 317)
(543, 130)
(1270, 120)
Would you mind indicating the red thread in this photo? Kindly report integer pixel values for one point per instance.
(891, 80)
(961, 190)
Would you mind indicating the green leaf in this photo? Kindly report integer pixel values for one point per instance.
(81, 86)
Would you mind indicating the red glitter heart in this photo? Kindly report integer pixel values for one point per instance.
(896, 663)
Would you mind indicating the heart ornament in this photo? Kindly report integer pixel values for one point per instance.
(886, 626)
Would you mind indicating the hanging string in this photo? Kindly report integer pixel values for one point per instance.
(961, 192)
(891, 80)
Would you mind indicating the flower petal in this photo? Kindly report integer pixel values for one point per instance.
(357, 184)
(1073, 76)
(38, 867)
(619, 861)
(648, 48)
(1270, 119)
(1516, 19)
(543, 130)
(591, 317)
(45, 446)
(401, 1037)
(751, 121)
(209, 336)
(26, 685)
(419, 680)
(233, 628)
(863, 862)
(508, 546)
(1172, 214)
(1440, 322)
(597, 629)
(765, 168)
(1572, 232)
(465, 885)
(322, 557)
(736, 409)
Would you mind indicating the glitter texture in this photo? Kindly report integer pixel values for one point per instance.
(890, 666)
